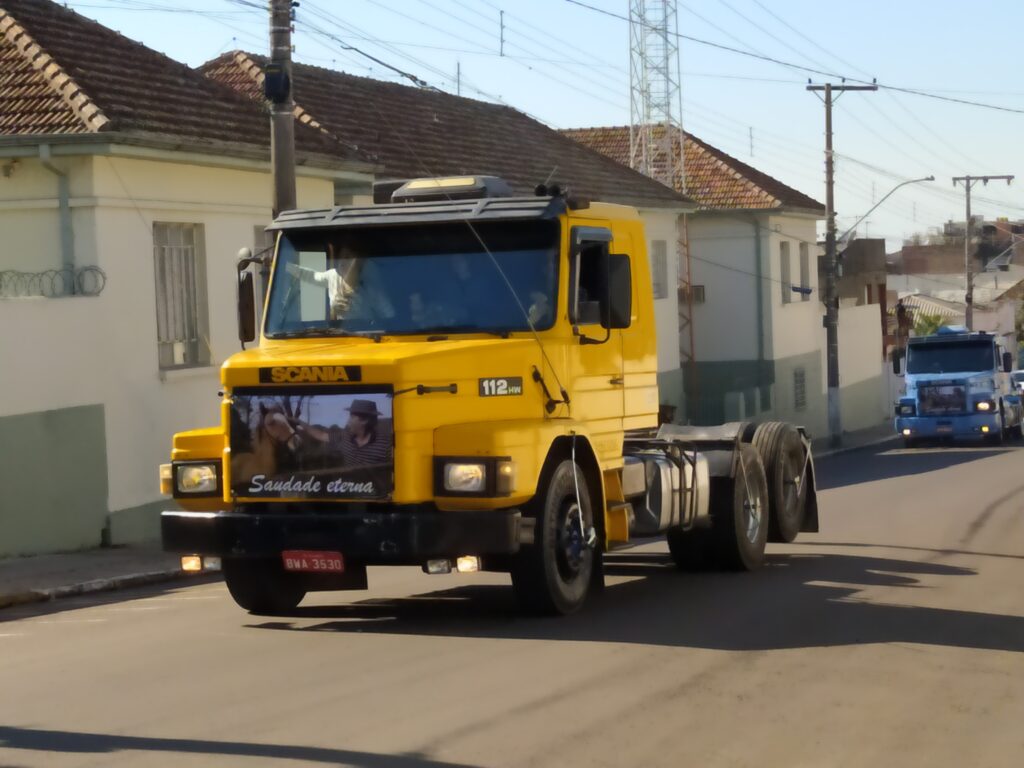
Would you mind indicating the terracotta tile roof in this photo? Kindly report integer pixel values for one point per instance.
(416, 132)
(714, 179)
(64, 73)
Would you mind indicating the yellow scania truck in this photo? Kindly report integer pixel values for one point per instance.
(462, 379)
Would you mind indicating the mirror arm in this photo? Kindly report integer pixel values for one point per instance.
(589, 339)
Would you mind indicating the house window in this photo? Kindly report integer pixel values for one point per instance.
(785, 278)
(181, 312)
(805, 271)
(659, 268)
(799, 389)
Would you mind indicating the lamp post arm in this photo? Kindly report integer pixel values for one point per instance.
(887, 196)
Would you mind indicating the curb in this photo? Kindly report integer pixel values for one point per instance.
(12, 599)
(847, 449)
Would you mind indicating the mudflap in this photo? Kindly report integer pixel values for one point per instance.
(354, 578)
(810, 523)
(809, 487)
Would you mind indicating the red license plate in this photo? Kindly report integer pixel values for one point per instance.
(306, 561)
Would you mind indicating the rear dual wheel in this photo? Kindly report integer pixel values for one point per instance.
(739, 521)
(784, 457)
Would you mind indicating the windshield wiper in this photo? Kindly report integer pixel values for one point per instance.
(312, 333)
(442, 329)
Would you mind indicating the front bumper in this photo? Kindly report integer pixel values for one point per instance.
(397, 538)
(963, 425)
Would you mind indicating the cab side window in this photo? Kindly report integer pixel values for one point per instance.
(589, 287)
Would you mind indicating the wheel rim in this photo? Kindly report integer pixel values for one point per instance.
(752, 514)
(569, 546)
(792, 469)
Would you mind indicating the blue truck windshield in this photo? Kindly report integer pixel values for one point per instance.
(951, 357)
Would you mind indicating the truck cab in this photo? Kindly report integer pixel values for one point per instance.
(462, 379)
(957, 385)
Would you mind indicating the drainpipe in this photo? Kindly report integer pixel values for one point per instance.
(67, 237)
(759, 271)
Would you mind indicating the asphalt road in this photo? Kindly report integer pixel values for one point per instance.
(895, 637)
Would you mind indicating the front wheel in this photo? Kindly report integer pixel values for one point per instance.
(997, 437)
(553, 575)
(262, 586)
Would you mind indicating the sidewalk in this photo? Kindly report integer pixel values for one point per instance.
(47, 577)
(852, 441)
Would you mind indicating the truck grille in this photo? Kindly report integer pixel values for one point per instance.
(311, 443)
(942, 399)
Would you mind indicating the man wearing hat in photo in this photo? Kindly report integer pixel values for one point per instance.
(361, 444)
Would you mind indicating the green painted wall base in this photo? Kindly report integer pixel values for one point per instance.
(670, 392)
(53, 480)
(137, 524)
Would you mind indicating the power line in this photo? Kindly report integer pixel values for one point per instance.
(812, 70)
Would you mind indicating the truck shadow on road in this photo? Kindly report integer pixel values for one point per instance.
(51, 741)
(887, 461)
(797, 601)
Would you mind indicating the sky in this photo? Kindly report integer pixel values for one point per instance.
(569, 66)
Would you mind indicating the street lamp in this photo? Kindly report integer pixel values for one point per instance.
(887, 196)
(832, 322)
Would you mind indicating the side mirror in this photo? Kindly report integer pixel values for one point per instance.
(896, 362)
(246, 308)
(1007, 362)
(618, 301)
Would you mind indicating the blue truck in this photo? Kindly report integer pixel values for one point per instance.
(958, 386)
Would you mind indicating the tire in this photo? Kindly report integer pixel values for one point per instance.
(999, 436)
(690, 550)
(909, 442)
(783, 455)
(740, 513)
(553, 575)
(262, 586)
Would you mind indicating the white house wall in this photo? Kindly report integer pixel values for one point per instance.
(722, 260)
(662, 225)
(99, 354)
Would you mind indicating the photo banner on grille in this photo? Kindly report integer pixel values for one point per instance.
(304, 445)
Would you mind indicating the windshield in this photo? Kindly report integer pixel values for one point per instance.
(1018, 377)
(954, 357)
(408, 280)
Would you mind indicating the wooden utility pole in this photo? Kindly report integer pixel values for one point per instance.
(968, 182)
(835, 425)
(277, 86)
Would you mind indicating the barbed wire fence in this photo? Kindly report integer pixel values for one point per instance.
(52, 283)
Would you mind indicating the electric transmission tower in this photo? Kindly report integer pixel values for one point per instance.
(656, 142)
(656, 106)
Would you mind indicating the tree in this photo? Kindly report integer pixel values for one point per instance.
(926, 325)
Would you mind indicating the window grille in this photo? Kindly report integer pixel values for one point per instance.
(181, 317)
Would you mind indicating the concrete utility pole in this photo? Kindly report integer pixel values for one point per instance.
(835, 425)
(277, 87)
(968, 182)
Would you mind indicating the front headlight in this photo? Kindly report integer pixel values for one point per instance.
(984, 405)
(196, 478)
(465, 478)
